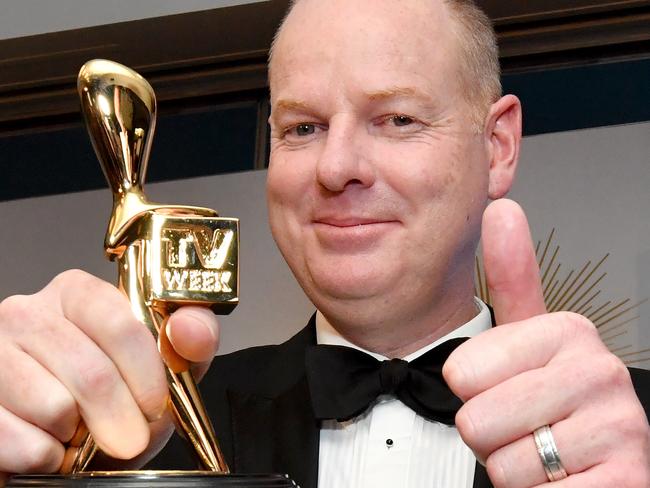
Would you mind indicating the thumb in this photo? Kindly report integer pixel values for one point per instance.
(194, 333)
(511, 269)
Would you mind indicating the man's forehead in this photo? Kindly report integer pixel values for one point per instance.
(403, 17)
(365, 4)
(364, 31)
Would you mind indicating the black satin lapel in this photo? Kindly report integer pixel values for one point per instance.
(276, 435)
(251, 417)
(296, 436)
(481, 479)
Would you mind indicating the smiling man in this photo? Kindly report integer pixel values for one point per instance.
(380, 167)
(389, 139)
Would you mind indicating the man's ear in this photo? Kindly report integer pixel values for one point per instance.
(503, 139)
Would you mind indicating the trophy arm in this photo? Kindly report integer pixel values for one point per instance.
(129, 216)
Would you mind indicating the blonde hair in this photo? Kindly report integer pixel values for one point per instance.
(480, 73)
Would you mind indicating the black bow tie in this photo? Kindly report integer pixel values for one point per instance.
(344, 381)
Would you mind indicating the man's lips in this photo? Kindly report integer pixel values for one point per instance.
(352, 234)
(351, 221)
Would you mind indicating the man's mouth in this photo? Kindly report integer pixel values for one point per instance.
(351, 221)
(352, 234)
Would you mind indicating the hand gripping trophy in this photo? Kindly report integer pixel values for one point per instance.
(167, 256)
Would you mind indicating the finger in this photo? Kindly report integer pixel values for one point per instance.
(104, 314)
(533, 401)
(194, 333)
(519, 465)
(32, 393)
(25, 448)
(506, 351)
(625, 472)
(104, 400)
(161, 431)
(511, 268)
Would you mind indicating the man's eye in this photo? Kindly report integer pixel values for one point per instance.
(401, 120)
(303, 129)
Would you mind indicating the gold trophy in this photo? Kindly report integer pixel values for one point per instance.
(167, 256)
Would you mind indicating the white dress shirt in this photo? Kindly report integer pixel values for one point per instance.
(389, 446)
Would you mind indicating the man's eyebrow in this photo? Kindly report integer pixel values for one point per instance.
(397, 92)
(288, 105)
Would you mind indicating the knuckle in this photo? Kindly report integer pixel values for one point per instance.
(632, 426)
(63, 416)
(496, 471)
(93, 286)
(41, 456)
(575, 325)
(72, 276)
(123, 327)
(152, 401)
(76, 282)
(452, 372)
(608, 372)
(469, 426)
(457, 375)
(16, 308)
(98, 381)
(617, 372)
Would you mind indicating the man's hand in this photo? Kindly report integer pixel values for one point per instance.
(75, 351)
(536, 369)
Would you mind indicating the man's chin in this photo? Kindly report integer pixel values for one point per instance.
(349, 283)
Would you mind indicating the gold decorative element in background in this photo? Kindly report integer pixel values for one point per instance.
(568, 290)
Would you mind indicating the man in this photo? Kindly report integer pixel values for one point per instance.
(389, 137)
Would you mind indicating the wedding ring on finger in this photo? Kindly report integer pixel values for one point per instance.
(548, 453)
(79, 451)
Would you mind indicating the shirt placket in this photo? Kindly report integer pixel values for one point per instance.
(390, 442)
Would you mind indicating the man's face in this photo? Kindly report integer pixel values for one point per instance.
(378, 177)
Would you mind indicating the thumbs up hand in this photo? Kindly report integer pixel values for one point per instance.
(536, 369)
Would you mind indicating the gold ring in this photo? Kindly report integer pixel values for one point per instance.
(78, 451)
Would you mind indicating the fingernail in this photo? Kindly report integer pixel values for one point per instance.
(201, 318)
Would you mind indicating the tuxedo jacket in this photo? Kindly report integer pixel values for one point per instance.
(259, 402)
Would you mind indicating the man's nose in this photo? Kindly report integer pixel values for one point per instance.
(342, 161)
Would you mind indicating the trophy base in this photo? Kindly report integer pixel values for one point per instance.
(154, 479)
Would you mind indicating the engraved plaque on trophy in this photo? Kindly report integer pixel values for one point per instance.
(167, 256)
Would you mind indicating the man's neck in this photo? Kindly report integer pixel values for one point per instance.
(402, 339)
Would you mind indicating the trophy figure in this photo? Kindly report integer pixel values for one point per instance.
(167, 256)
